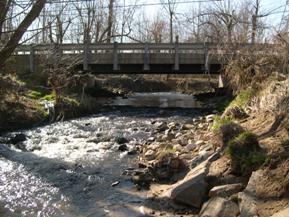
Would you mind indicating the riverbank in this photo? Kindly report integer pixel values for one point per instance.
(157, 162)
(26, 98)
(236, 163)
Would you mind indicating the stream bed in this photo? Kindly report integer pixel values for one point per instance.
(75, 168)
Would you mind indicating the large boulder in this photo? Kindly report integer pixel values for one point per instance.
(17, 138)
(220, 173)
(248, 199)
(219, 207)
(192, 190)
(266, 192)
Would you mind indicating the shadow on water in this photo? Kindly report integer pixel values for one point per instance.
(85, 198)
(73, 181)
(70, 160)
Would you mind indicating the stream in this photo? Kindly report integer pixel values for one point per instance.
(75, 168)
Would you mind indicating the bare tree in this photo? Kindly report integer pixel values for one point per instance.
(157, 29)
(16, 36)
(170, 7)
(110, 20)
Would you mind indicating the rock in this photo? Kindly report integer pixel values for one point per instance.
(192, 189)
(161, 126)
(200, 142)
(132, 152)
(142, 180)
(219, 207)
(202, 126)
(20, 137)
(282, 213)
(121, 140)
(141, 165)
(168, 137)
(267, 191)
(185, 156)
(154, 146)
(190, 147)
(105, 145)
(190, 142)
(178, 134)
(248, 201)
(172, 125)
(187, 127)
(235, 112)
(115, 184)
(123, 148)
(202, 156)
(151, 139)
(150, 155)
(21, 146)
(191, 121)
(225, 190)
(178, 147)
(210, 118)
(220, 173)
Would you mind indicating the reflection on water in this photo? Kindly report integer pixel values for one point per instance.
(161, 100)
(69, 167)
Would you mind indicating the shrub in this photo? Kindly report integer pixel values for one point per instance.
(285, 143)
(168, 151)
(34, 94)
(287, 126)
(219, 121)
(223, 103)
(246, 154)
(242, 98)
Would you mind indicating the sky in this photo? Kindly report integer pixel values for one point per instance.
(277, 7)
(266, 5)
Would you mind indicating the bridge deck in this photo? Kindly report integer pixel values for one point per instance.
(128, 57)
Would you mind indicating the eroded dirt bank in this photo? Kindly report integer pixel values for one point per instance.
(239, 167)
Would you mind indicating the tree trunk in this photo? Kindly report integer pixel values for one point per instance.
(171, 27)
(13, 41)
(110, 21)
(4, 7)
(255, 22)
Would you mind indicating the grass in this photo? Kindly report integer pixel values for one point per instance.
(285, 143)
(241, 99)
(34, 94)
(49, 97)
(246, 154)
(223, 103)
(71, 101)
(219, 121)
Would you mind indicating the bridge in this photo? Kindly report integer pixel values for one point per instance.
(142, 58)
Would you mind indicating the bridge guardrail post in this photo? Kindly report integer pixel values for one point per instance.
(32, 59)
(146, 58)
(206, 59)
(115, 56)
(85, 56)
(177, 55)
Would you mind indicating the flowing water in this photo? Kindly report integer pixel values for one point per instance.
(68, 168)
